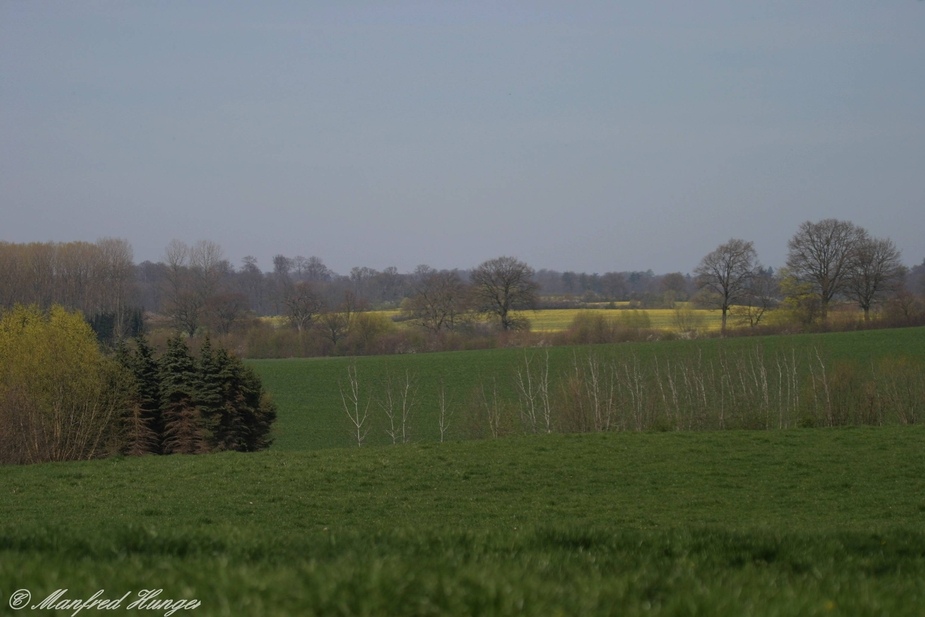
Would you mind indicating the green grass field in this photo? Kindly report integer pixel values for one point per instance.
(800, 522)
(822, 521)
(308, 391)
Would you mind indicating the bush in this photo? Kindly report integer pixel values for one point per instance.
(60, 396)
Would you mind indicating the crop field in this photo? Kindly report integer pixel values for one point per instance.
(481, 395)
(795, 522)
(558, 320)
(621, 519)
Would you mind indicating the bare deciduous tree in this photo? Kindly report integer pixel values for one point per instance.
(876, 272)
(502, 285)
(822, 255)
(335, 324)
(444, 413)
(438, 299)
(726, 273)
(302, 304)
(532, 383)
(398, 398)
(357, 411)
(183, 304)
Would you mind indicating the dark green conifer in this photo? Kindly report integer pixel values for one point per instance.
(184, 429)
(210, 396)
(142, 425)
(251, 412)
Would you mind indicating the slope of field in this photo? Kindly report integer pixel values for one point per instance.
(799, 522)
(309, 391)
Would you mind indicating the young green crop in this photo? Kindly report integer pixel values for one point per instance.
(312, 416)
(722, 523)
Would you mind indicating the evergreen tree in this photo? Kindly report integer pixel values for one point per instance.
(210, 396)
(251, 413)
(189, 406)
(139, 436)
(184, 429)
(147, 374)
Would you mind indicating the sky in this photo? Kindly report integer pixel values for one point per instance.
(585, 136)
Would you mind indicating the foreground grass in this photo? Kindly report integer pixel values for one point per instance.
(809, 522)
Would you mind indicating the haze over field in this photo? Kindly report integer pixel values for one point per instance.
(586, 136)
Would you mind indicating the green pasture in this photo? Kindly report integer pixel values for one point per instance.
(796, 522)
(800, 521)
(309, 391)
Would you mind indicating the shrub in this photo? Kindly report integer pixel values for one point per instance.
(60, 396)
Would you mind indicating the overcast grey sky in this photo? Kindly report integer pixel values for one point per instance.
(587, 136)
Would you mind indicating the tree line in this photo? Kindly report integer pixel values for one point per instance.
(827, 261)
(195, 290)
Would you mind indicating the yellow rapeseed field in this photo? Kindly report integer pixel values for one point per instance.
(559, 320)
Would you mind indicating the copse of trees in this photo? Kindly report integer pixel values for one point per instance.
(97, 279)
(833, 259)
(827, 261)
(63, 398)
(185, 405)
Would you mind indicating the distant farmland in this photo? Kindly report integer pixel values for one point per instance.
(559, 320)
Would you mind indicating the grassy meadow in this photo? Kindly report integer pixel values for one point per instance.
(808, 522)
(747, 376)
(622, 519)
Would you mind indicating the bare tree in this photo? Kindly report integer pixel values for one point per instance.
(532, 383)
(502, 285)
(224, 309)
(726, 273)
(674, 287)
(438, 299)
(397, 402)
(303, 305)
(444, 413)
(876, 272)
(183, 304)
(335, 324)
(194, 274)
(282, 281)
(207, 263)
(356, 410)
(822, 255)
(117, 281)
(763, 293)
(315, 270)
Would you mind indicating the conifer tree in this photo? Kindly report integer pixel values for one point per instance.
(138, 435)
(210, 396)
(251, 412)
(147, 373)
(184, 429)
